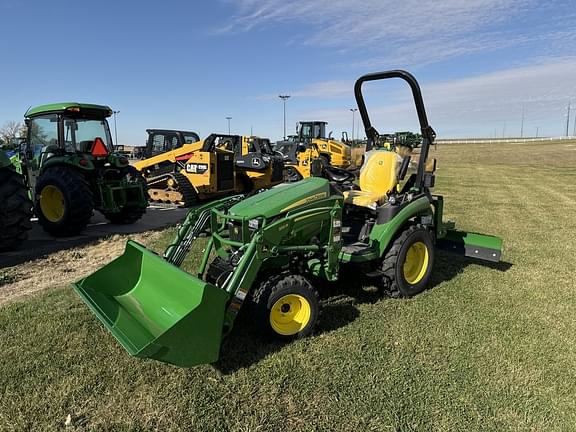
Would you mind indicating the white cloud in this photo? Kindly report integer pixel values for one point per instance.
(407, 32)
(473, 106)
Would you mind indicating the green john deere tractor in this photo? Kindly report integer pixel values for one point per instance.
(271, 248)
(15, 205)
(72, 168)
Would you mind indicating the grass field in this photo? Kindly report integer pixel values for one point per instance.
(486, 348)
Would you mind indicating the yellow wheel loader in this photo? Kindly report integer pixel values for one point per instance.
(300, 161)
(217, 165)
(333, 152)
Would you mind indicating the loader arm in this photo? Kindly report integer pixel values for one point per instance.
(156, 310)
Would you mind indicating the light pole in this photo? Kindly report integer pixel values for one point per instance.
(353, 112)
(284, 98)
(537, 130)
(228, 118)
(115, 129)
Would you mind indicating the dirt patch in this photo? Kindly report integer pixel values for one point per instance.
(64, 267)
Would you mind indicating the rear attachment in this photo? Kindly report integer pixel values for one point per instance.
(481, 246)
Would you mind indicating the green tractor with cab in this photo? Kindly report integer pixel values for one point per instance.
(15, 204)
(269, 251)
(72, 169)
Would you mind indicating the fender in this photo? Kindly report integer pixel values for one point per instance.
(73, 161)
(382, 234)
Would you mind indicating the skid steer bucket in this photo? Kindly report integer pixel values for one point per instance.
(155, 310)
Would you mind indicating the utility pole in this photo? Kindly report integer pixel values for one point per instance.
(353, 112)
(284, 98)
(115, 129)
(228, 118)
(568, 118)
(537, 129)
(522, 124)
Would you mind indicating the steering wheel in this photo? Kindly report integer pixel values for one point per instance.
(320, 168)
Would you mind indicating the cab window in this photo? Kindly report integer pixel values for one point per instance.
(163, 142)
(190, 139)
(43, 132)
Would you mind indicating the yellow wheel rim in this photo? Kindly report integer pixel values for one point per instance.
(416, 263)
(52, 203)
(290, 314)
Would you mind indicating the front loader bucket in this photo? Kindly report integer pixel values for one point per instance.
(155, 310)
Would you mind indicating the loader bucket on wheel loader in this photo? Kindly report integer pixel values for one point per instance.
(155, 310)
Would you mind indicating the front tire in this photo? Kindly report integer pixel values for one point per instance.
(407, 266)
(63, 201)
(15, 209)
(286, 307)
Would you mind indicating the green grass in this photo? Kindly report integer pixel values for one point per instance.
(487, 348)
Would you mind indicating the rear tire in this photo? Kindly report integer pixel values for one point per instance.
(63, 201)
(130, 214)
(407, 266)
(286, 306)
(15, 209)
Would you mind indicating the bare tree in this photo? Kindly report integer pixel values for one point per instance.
(9, 131)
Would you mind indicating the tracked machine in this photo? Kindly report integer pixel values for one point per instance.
(267, 252)
(216, 166)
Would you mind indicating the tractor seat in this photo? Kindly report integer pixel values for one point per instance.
(377, 178)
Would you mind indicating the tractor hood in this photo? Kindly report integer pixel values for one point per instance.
(282, 198)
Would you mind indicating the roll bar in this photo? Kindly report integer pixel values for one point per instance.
(428, 134)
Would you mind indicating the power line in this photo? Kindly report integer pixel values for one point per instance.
(522, 125)
(568, 118)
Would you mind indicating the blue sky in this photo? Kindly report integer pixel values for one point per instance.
(188, 65)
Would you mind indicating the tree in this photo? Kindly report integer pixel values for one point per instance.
(9, 132)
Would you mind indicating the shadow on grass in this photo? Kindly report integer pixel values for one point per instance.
(447, 266)
(246, 345)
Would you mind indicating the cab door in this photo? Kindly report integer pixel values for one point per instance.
(41, 144)
(161, 142)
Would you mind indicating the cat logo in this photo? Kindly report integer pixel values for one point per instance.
(196, 168)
